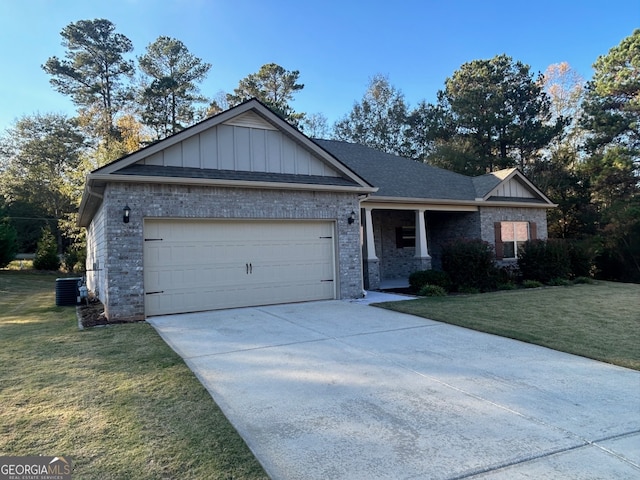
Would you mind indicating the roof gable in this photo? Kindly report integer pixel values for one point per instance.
(246, 138)
(508, 185)
(243, 147)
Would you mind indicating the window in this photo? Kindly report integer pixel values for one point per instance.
(405, 237)
(510, 236)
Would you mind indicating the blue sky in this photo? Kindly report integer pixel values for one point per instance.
(336, 45)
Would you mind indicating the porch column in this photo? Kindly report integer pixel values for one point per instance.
(422, 257)
(421, 235)
(370, 241)
(371, 265)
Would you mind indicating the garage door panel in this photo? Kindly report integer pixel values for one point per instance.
(204, 265)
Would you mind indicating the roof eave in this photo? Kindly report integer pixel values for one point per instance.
(229, 183)
(427, 202)
(499, 203)
(91, 201)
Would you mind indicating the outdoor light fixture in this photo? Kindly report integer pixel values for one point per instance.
(352, 217)
(126, 211)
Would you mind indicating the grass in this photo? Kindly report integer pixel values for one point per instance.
(599, 321)
(117, 400)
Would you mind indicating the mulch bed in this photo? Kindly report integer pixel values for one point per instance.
(92, 315)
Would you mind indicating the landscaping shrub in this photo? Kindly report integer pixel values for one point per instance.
(508, 277)
(471, 265)
(532, 284)
(432, 291)
(74, 260)
(8, 244)
(69, 261)
(419, 279)
(559, 282)
(469, 290)
(583, 280)
(544, 260)
(47, 252)
(581, 259)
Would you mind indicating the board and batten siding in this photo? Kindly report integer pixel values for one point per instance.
(242, 148)
(96, 254)
(513, 189)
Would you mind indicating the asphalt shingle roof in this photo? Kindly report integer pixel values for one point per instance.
(393, 175)
(186, 172)
(485, 183)
(401, 177)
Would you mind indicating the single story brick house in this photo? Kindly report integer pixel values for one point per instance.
(243, 209)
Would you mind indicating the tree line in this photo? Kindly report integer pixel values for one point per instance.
(578, 141)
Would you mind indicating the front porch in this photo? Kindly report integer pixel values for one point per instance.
(399, 240)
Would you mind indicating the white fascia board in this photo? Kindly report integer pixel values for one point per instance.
(498, 203)
(399, 203)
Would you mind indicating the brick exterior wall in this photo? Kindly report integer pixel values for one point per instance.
(96, 254)
(123, 293)
(394, 263)
(447, 227)
(442, 227)
(490, 215)
(371, 273)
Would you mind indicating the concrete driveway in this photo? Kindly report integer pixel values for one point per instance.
(341, 390)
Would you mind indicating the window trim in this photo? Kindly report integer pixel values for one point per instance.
(500, 243)
(406, 236)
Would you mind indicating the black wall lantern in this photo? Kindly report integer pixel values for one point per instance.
(126, 211)
(351, 218)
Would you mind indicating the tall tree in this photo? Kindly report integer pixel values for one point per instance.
(40, 159)
(612, 101)
(272, 85)
(612, 120)
(558, 173)
(567, 184)
(170, 94)
(502, 115)
(315, 125)
(217, 104)
(94, 72)
(378, 121)
(565, 88)
(429, 128)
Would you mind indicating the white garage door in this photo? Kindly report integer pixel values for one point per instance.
(192, 265)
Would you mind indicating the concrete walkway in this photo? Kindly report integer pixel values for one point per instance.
(342, 390)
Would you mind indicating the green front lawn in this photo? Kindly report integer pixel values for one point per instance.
(117, 400)
(600, 321)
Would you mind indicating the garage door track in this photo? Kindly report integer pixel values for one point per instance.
(340, 390)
